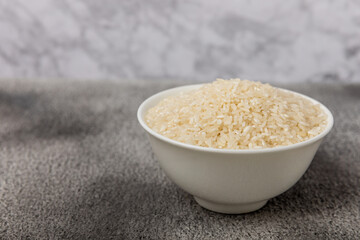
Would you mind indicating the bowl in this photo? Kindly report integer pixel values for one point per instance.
(230, 181)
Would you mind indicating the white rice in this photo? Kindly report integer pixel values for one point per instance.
(237, 114)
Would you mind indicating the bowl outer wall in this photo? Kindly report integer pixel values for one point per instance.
(233, 178)
(230, 176)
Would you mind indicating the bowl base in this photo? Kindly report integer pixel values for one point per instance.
(230, 208)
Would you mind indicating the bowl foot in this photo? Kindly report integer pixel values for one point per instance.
(230, 208)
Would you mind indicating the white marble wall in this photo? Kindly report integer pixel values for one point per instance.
(199, 40)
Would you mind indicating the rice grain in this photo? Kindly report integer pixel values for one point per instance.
(237, 114)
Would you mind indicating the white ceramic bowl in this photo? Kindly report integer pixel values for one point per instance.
(230, 181)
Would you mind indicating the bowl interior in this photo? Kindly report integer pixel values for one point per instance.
(153, 100)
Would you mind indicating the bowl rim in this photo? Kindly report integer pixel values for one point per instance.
(149, 100)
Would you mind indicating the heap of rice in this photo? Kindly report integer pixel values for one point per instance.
(237, 114)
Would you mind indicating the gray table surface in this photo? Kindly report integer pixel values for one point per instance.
(75, 164)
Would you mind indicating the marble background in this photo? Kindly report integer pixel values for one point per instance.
(274, 41)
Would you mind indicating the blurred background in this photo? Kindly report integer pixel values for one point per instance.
(195, 41)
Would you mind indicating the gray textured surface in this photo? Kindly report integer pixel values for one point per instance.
(75, 164)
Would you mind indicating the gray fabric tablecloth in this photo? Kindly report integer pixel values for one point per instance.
(75, 164)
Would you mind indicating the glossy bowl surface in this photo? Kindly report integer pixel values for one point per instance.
(225, 180)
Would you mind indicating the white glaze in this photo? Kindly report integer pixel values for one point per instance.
(230, 181)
